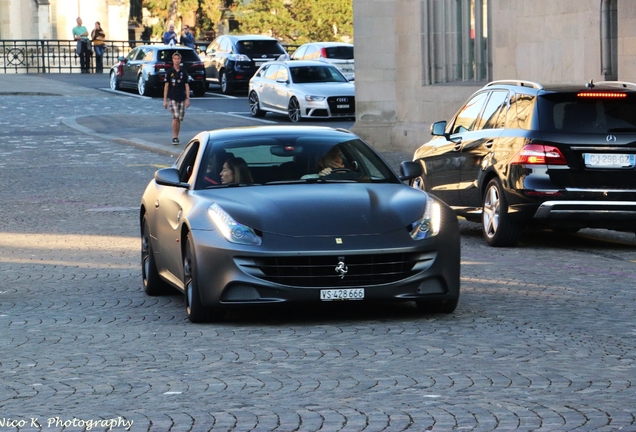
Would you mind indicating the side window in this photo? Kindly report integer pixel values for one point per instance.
(271, 72)
(185, 164)
(214, 47)
(131, 55)
(262, 71)
(282, 73)
(467, 117)
(300, 53)
(148, 55)
(312, 53)
(226, 45)
(495, 105)
(524, 108)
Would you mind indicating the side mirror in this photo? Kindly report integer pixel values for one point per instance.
(169, 177)
(281, 80)
(439, 128)
(409, 170)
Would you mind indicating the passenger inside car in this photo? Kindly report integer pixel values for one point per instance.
(235, 170)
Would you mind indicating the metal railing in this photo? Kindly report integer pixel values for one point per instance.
(59, 56)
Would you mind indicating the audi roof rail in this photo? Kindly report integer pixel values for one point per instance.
(522, 83)
(623, 84)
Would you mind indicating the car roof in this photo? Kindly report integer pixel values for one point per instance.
(249, 37)
(328, 44)
(536, 88)
(302, 63)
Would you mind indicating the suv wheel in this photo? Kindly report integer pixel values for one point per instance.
(142, 88)
(226, 87)
(498, 228)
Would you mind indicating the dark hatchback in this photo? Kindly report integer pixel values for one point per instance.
(232, 60)
(145, 68)
(519, 153)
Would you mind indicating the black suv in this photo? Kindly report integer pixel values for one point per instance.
(520, 153)
(231, 60)
(146, 66)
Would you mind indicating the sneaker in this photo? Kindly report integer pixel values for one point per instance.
(175, 141)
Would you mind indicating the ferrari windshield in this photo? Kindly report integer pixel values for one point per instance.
(270, 160)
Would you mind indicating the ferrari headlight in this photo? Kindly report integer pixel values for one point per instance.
(428, 225)
(233, 231)
(310, 98)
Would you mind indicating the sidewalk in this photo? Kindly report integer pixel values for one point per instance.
(141, 124)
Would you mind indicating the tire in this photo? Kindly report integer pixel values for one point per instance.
(435, 307)
(255, 108)
(226, 86)
(498, 229)
(199, 91)
(142, 87)
(114, 82)
(293, 110)
(195, 310)
(152, 283)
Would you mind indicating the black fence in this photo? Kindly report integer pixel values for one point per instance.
(59, 56)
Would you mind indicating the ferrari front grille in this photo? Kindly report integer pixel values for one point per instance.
(320, 271)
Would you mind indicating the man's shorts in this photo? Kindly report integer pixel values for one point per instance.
(177, 109)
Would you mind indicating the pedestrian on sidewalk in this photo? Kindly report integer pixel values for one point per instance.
(176, 92)
(83, 50)
(170, 37)
(98, 36)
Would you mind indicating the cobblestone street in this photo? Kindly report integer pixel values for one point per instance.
(543, 339)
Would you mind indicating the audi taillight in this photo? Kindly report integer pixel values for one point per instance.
(538, 154)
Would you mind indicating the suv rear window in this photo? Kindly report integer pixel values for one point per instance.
(259, 47)
(186, 55)
(340, 52)
(571, 113)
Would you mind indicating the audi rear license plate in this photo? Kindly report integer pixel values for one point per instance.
(342, 294)
(603, 160)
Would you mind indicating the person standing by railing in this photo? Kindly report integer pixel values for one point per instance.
(98, 36)
(80, 34)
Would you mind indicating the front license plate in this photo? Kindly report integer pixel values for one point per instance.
(342, 294)
(342, 106)
(608, 160)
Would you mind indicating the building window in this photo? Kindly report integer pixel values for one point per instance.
(455, 41)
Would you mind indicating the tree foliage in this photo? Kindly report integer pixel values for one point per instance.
(298, 21)
(205, 12)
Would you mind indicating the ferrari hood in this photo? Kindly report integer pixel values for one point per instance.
(310, 210)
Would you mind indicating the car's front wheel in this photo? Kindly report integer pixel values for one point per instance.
(142, 86)
(255, 108)
(196, 312)
(152, 283)
(114, 82)
(498, 228)
(293, 110)
(199, 91)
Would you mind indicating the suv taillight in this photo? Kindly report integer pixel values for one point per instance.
(538, 154)
(241, 58)
(323, 52)
(162, 66)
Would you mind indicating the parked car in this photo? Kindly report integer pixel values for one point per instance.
(301, 89)
(231, 60)
(285, 234)
(336, 53)
(145, 67)
(521, 153)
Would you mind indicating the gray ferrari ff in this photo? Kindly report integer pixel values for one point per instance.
(302, 214)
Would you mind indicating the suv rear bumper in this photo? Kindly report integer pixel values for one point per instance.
(599, 214)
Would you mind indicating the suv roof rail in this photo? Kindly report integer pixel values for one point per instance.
(523, 83)
(623, 84)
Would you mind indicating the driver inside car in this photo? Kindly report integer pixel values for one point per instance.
(331, 161)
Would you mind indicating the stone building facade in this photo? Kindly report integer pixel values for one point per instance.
(417, 61)
(55, 19)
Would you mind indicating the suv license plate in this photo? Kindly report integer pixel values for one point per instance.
(597, 160)
(342, 294)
